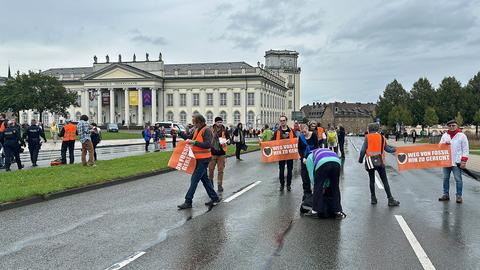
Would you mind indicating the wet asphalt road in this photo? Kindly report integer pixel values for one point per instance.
(260, 229)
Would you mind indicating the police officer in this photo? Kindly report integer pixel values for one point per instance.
(32, 136)
(12, 141)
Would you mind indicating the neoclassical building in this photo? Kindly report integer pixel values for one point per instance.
(134, 92)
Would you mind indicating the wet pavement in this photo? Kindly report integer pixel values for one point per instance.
(136, 224)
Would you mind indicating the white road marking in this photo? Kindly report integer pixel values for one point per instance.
(126, 261)
(379, 183)
(417, 248)
(229, 199)
(354, 146)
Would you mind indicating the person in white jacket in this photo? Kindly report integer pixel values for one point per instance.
(459, 145)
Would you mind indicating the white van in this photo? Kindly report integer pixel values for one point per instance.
(168, 127)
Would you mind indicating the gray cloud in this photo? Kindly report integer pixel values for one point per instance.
(140, 38)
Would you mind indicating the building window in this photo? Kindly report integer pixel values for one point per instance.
(223, 115)
(183, 117)
(290, 104)
(209, 118)
(261, 100)
(290, 93)
(183, 99)
(196, 99)
(78, 114)
(223, 99)
(236, 117)
(290, 79)
(251, 118)
(209, 99)
(251, 99)
(45, 119)
(236, 99)
(170, 116)
(24, 117)
(170, 100)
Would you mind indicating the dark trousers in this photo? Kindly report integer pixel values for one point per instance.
(414, 139)
(95, 150)
(70, 145)
(34, 148)
(2, 156)
(307, 186)
(238, 148)
(200, 174)
(383, 175)
(146, 146)
(341, 145)
(331, 194)
(174, 141)
(281, 167)
(12, 152)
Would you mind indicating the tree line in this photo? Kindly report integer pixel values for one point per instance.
(37, 92)
(426, 106)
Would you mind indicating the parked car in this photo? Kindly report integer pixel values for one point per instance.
(168, 127)
(112, 127)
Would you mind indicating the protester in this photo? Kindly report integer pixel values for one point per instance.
(173, 133)
(373, 149)
(3, 126)
(163, 138)
(83, 128)
(267, 134)
(68, 132)
(12, 145)
(156, 137)
(219, 150)
(54, 132)
(405, 136)
(32, 135)
(341, 140)
(414, 135)
(201, 142)
(284, 132)
(239, 140)
(96, 135)
(460, 150)
(324, 167)
(147, 135)
(332, 139)
(307, 142)
(318, 130)
(296, 128)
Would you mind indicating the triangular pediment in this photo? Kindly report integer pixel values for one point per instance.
(119, 71)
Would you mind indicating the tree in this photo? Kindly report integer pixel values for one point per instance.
(400, 114)
(15, 95)
(459, 119)
(472, 98)
(394, 95)
(450, 99)
(476, 120)
(430, 117)
(422, 96)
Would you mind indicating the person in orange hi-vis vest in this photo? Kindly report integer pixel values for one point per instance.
(69, 133)
(219, 151)
(284, 132)
(201, 142)
(373, 149)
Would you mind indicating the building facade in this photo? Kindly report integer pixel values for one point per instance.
(354, 117)
(135, 92)
(2, 81)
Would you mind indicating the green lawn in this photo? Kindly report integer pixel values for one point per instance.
(109, 135)
(24, 184)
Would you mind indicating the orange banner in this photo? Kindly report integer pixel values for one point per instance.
(182, 158)
(279, 150)
(423, 156)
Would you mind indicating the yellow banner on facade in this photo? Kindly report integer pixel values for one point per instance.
(133, 98)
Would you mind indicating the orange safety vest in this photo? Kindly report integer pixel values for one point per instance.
(70, 132)
(200, 153)
(319, 133)
(2, 127)
(290, 134)
(375, 145)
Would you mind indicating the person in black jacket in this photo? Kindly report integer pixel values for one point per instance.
(96, 136)
(284, 132)
(12, 145)
(239, 140)
(219, 147)
(307, 141)
(32, 135)
(341, 140)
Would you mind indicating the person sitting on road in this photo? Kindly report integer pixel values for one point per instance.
(460, 150)
(374, 148)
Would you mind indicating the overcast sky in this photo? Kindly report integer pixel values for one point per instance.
(349, 50)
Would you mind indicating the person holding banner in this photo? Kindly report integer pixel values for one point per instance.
(201, 142)
(373, 149)
(307, 142)
(219, 150)
(284, 132)
(460, 150)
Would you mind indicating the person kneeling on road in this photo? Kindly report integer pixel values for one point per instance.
(201, 141)
(323, 166)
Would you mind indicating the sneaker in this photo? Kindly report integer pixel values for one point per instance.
(444, 197)
(212, 202)
(220, 188)
(339, 215)
(393, 202)
(184, 206)
(373, 200)
(282, 188)
(459, 199)
(289, 188)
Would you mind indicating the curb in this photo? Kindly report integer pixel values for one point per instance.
(113, 182)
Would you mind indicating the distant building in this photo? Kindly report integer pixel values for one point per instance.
(2, 80)
(354, 117)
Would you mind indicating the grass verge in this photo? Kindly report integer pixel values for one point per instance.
(25, 184)
(109, 135)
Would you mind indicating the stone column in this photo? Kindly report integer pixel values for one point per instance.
(154, 105)
(140, 107)
(127, 107)
(112, 105)
(85, 102)
(99, 106)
